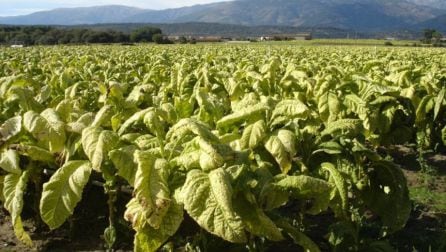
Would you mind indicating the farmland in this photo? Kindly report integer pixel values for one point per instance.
(210, 147)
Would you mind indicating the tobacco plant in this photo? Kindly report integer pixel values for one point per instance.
(246, 141)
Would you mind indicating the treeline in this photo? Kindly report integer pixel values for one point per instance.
(47, 35)
(196, 29)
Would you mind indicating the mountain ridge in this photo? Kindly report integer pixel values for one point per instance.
(361, 15)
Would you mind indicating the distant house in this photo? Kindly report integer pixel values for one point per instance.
(303, 36)
(198, 38)
(174, 38)
(238, 42)
(208, 39)
(298, 36)
(17, 44)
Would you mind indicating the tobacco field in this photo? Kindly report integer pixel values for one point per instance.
(197, 146)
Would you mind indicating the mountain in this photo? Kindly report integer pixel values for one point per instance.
(438, 23)
(346, 14)
(72, 16)
(360, 15)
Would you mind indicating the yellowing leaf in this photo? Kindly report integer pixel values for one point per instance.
(149, 239)
(208, 200)
(124, 162)
(279, 152)
(10, 128)
(97, 143)
(253, 135)
(14, 187)
(47, 128)
(9, 161)
(256, 221)
(63, 191)
(151, 188)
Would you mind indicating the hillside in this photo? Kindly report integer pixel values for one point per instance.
(360, 15)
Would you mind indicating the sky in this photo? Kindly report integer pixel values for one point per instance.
(22, 7)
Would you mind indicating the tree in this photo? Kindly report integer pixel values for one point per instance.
(160, 39)
(436, 36)
(428, 34)
(46, 40)
(144, 34)
(182, 40)
(432, 35)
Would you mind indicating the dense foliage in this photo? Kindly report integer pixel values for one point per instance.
(249, 142)
(48, 35)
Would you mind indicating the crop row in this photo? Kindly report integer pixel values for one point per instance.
(246, 140)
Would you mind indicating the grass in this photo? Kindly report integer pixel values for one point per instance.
(427, 193)
(425, 196)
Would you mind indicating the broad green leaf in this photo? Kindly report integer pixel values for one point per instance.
(289, 109)
(329, 107)
(14, 187)
(96, 143)
(189, 157)
(186, 127)
(151, 187)
(10, 128)
(246, 114)
(277, 149)
(124, 162)
(208, 200)
(360, 107)
(423, 108)
(63, 191)
(331, 148)
(210, 158)
(253, 135)
(65, 109)
(139, 94)
(439, 100)
(153, 122)
(388, 195)
(340, 183)
(36, 153)
(343, 125)
(146, 142)
(256, 221)
(9, 161)
(47, 128)
(83, 122)
(298, 237)
(380, 100)
(184, 106)
(103, 117)
(25, 98)
(288, 140)
(169, 114)
(149, 239)
(137, 117)
(305, 187)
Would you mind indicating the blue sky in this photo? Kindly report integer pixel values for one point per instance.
(21, 7)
